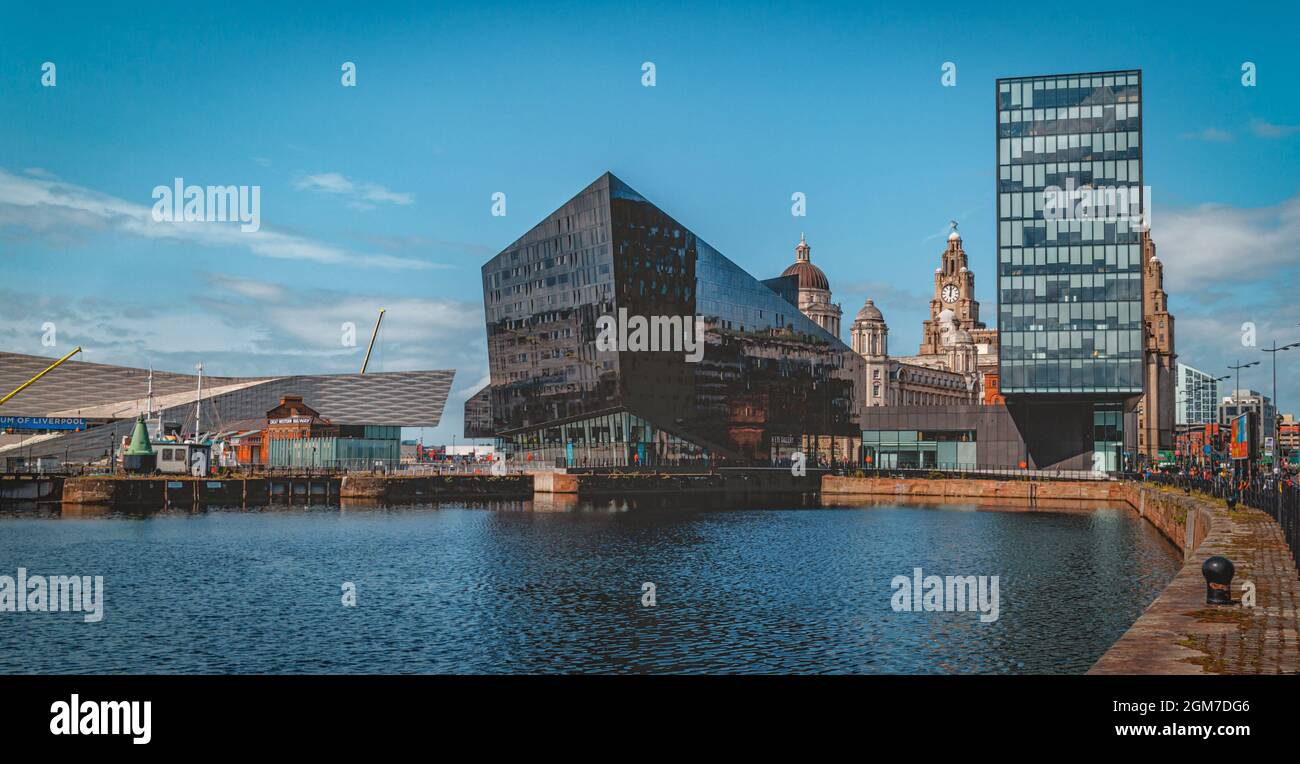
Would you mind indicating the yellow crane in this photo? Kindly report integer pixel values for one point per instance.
(373, 335)
(48, 369)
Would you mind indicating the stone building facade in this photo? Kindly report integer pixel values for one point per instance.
(954, 291)
(814, 289)
(958, 358)
(950, 380)
(1156, 410)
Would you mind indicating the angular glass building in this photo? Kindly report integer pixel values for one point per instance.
(767, 383)
(1070, 212)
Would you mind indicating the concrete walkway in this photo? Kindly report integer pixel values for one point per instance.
(1180, 634)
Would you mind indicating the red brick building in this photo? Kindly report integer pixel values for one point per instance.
(289, 420)
(295, 419)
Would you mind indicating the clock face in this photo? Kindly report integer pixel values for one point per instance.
(950, 293)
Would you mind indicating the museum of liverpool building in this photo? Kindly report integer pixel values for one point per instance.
(596, 360)
(81, 412)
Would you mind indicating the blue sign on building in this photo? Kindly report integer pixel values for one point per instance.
(41, 423)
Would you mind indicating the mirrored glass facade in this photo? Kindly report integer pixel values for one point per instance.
(1070, 275)
(770, 381)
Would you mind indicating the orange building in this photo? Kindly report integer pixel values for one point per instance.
(291, 419)
(250, 447)
(992, 393)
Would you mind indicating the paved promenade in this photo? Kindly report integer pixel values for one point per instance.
(1180, 634)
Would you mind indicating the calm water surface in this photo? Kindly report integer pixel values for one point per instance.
(500, 588)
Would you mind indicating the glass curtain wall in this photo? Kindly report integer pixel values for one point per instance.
(919, 449)
(1070, 273)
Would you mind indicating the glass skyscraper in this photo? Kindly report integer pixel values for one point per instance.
(1070, 211)
(769, 381)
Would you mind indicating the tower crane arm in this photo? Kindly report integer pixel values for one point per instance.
(48, 369)
(371, 346)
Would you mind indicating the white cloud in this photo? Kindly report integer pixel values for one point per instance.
(53, 206)
(1267, 130)
(1214, 244)
(243, 327)
(417, 333)
(363, 194)
(255, 290)
(116, 332)
(1212, 134)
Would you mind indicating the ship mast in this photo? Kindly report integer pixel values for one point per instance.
(198, 404)
(148, 414)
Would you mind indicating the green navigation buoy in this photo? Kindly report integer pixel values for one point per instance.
(140, 445)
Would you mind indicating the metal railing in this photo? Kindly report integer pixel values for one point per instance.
(1278, 496)
(972, 471)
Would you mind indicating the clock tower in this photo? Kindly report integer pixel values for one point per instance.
(954, 290)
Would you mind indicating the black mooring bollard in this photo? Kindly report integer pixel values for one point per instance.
(1218, 580)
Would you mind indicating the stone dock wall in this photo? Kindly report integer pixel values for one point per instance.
(739, 482)
(434, 487)
(1168, 511)
(179, 490)
(172, 490)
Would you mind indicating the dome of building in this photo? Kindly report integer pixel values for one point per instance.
(954, 236)
(810, 276)
(870, 312)
(961, 336)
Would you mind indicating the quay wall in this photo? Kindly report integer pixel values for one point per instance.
(737, 481)
(1167, 510)
(28, 488)
(423, 488)
(179, 490)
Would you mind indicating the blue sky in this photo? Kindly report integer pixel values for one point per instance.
(380, 195)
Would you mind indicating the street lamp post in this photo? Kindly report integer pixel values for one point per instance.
(1237, 384)
(1273, 351)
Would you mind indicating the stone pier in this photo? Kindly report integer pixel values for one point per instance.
(1180, 634)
